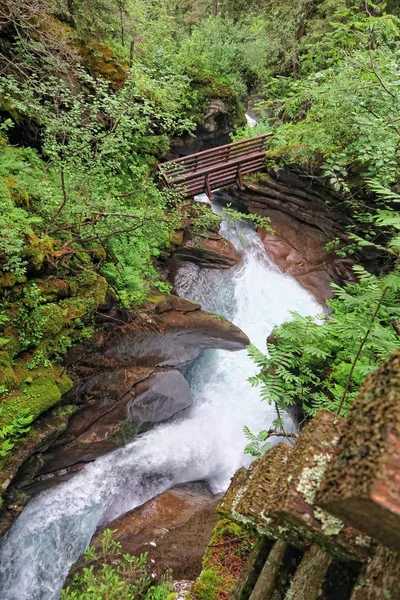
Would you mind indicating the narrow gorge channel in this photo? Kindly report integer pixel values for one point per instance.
(204, 442)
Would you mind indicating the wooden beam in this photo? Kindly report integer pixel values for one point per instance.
(362, 484)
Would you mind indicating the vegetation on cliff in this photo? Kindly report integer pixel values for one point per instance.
(109, 574)
(331, 103)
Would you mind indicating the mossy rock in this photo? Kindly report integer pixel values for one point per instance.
(7, 375)
(97, 250)
(226, 554)
(39, 390)
(76, 308)
(53, 289)
(35, 257)
(52, 318)
(9, 280)
(156, 297)
(206, 587)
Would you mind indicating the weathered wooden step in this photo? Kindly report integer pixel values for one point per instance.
(252, 490)
(380, 579)
(293, 504)
(362, 484)
(268, 579)
(310, 575)
(276, 495)
(250, 574)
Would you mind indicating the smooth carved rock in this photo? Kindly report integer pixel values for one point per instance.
(173, 338)
(157, 398)
(380, 579)
(213, 253)
(362, 484)
(127, 378)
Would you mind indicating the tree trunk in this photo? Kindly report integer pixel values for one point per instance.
(71, 17)
(214, 8)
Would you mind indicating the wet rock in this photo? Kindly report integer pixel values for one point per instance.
(218, 121)
(174, 528)
(128, 378)
(211, 252)
(157, 398)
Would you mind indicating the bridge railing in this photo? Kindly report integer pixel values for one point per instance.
(210, 169)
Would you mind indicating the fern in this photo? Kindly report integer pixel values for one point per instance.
(258, 443)
(317, 362)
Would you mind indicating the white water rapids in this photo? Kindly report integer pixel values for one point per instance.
(204, 443)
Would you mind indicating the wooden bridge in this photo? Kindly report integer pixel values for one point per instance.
(210, 169)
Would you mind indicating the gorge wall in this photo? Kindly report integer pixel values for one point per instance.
(305, 215)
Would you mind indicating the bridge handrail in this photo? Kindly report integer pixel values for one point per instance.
(217, 167)
(194, 163)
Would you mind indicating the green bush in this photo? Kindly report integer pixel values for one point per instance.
(109, 574)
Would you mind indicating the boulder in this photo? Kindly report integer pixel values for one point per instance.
(160, 396)
(211, 252)
(174, 528)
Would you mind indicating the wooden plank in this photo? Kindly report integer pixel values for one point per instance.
(218, 167)
(381, 578)
(267, 581)
(207, 186)
(232, 145)
(249, 576)
(212, 166)
(310, 575)
(362, 484)
(196, 186)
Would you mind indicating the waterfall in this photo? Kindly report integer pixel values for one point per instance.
(204, 443)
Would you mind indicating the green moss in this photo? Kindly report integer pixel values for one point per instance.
(126, 434)
(53, 289)
(206, 587)
(98, 250)
(76, 308)
(52, 318)
(221, 561)
(156, 298)
(7, 376)
(64, 383)
(39, 390)
(35, 257)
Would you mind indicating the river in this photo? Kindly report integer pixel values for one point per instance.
(205, 442)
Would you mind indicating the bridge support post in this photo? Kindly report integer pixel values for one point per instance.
(207, 187)
(239, 178)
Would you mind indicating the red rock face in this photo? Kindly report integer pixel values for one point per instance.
(305, 216)
(299, 250)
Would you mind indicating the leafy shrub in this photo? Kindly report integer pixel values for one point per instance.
(109, 574)
(12, 433)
